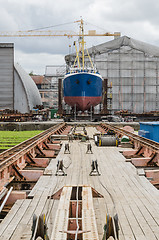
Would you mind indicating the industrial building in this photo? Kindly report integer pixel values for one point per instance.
(48, 85)
(18, 91)
(44, 89)
(132, 67)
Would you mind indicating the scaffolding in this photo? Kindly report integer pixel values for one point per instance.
(52, 74)
(132, 67)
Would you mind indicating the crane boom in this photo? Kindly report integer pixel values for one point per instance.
(58, 33)
(49, 33)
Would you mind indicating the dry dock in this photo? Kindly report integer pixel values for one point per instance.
(118, 189)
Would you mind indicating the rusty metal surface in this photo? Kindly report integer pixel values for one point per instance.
(16, 157)
(11, 155)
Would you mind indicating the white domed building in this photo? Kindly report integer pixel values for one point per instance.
(17, 89)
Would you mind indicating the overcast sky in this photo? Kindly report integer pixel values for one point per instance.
(138, 19)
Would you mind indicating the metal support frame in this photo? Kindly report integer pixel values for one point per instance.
(39, 151)
(5, 199)
(60, 168)
(104, 101)
(84, 130)
(60, 109)
(30, 159)
(75, 112)
(70, 138)
(111, 228)
(67, 148)
(94, 167)
(45, 145)
(89, 148)
(39, 227)
(91, 115)
(16, 170)
(26, 153)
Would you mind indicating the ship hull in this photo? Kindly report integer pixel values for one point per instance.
(82, 90)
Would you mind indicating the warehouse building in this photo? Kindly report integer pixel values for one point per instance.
(17, 89)
(132, 67)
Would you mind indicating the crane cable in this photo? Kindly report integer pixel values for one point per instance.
(66, 167)
(42, 28)
(114, 207)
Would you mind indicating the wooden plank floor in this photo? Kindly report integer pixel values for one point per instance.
(132, 197)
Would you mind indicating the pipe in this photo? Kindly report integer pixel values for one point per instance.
(3, 193)
(6, 198)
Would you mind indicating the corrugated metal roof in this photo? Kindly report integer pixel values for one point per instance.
(148, 49)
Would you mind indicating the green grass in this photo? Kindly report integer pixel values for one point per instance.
(9, 139)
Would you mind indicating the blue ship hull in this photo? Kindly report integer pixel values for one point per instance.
(82, 89)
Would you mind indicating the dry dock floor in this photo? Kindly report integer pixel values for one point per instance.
(136, 200)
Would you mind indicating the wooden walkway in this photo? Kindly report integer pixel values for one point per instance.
(136, 200)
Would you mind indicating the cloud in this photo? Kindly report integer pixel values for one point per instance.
(136, 18)
(38, 62)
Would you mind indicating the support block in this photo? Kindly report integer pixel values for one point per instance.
(49, 153)
(54, 146)
(56, 142)
(21, 165)
(140, 162)
(31, 175)
(41, 162)
(128, 153)
(14, 196)
(154, 174)
(141, 171)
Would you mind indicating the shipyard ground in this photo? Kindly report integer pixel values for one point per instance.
(28, 126)
(118, 189)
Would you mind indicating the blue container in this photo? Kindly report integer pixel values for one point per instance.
(144, 133)
(149, 130)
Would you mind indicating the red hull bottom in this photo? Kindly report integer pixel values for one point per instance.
(83, 103)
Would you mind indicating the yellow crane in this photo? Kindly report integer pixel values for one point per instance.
(51, 33)
(69, 34)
